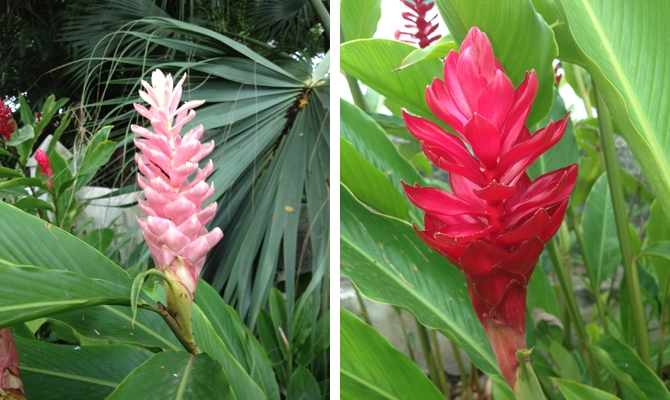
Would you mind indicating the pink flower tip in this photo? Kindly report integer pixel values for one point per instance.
(45, 165)
(175, 226)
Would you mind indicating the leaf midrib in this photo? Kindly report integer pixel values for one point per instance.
(70, 376)
(433, 309)
(366, 384)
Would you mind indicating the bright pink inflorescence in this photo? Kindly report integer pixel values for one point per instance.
(10, 378)
(494, 225)
(175, 225)
(419, 23)
(6, 122)
(44, 164)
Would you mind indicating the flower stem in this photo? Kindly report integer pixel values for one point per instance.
(661, 329)
(361, 304)
(573, 310)
(465, 381)
(621, 220)
(425, 346)
(410, 350)
(594, 286)
(444, 386)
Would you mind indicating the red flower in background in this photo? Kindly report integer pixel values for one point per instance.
(6, 123)
(494, 225)
(421, 26)
(45, 165)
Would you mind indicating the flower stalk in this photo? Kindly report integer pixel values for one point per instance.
(621, 221)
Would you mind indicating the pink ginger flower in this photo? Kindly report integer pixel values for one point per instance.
(494, 224)
(419, 24)
(45, 166)
(175, 225)
(10, 378)
(6, 121)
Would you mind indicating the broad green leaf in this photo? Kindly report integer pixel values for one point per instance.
(303, 386)
(241, 384)
(577, 391)
(373, 61)
(566, 365)
(56, 250)
(371, 369)
(64, 372)
(599, 231)
(93, 161)
(555, 18)
(99, 239)
(658, 230)
(541, 294)
(237, 338)
(107, 322)
(565, 152)
(636, 379)
(388, 263)
(521, 41)
(631, 75)
(176, 375)
(359, 18)
(369, 184)
(22, 182)
(29, 202)
(9, 173)
(438, 50)
(24, 134)
(31, 292)
(370, 141)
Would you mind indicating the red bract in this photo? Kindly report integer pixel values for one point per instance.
(419, 23)
(44, 164)
(494, 225)
(10, 378)
(6, 123)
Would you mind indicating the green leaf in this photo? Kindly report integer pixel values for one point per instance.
(389, 263)
(22, 135)
(371, 369)
(28, 203)
(567, 48)
(63, 372)
(636, 379)
(438, 50)
(57, 249)
(359, 18)
(93, 161)
(577, 391)
(241, 384)
(303, 386)
(23, 182)
(99, 239)
(176, 375)
(565, 152)
(107, 322)
(373, 61)
(658, 230)
(632, 79)
(9, 173)
(599, 231)
(33, 292)
(369, 184)
(238, 339)
(370, 141)
(566, 365)
(521, 41)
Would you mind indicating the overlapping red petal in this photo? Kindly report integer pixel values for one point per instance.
(494, 224)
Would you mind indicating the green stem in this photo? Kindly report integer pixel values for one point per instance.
(621, 220)
(582, 90)
(661, 329)
(323, 15)
(461, 370)
(587, 264)
(356, 93)
(573, 311)
(361, 304)
(440, 367)
(398, 311)
(425, 346)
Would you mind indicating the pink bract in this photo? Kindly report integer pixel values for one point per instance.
(10, 378)
(494, 224)
(175, 224)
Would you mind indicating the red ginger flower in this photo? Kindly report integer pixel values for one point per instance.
(175, 226)
(10, 378)
(494, 225)
(6, 122)
(44, 164)
(419, 22)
